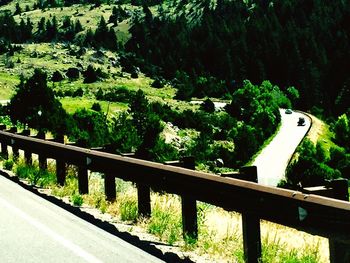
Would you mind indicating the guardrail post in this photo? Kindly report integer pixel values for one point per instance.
(143, 200)
(251, 226)
(143, 194)
(110, 187)
(339, 252)
(189, 207)
(42, 158)
(15, 153)
(83, 180)
(60, 166)
(27, 153)
(4, 150)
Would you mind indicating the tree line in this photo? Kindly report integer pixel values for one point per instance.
(48, 30)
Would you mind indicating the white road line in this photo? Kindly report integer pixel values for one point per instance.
(65, 242)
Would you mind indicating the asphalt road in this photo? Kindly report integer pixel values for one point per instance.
(273, 160)
(35, 230)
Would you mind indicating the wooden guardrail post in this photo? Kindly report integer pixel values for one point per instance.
(15, 150)
(143, 195)
(189, 206)
(83, 180)
(251, 225)
(27, 153)
(4, 150)
(144, 200)
(83, 174)
(109, 180)
(42, 158)
(60, 166)
(110, 187)
(339, 252)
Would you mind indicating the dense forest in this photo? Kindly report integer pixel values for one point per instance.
(291, 43)
(215, 45)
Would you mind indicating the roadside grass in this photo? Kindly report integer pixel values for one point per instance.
(320, 132)
(219, 231)
(34, 175)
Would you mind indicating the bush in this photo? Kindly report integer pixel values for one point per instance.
(89, 128)
(157, 84)
(78, 93)
(134, 75)
(77, 199)
(208, 106)
(8, 164)
(162, 152)
(57, 76)
(310, 169)
(90, 75)
(73, 73)
(96, 107)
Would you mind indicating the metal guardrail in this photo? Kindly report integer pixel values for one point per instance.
(318, 215)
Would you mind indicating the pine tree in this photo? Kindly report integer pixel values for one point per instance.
(18, 9)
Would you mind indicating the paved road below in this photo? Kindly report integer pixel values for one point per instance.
(35, 230)
(273, 160)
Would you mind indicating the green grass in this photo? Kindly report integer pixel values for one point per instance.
(34, 175)
(128, 208)
(73, 104)
(8, 82)
(165, 221)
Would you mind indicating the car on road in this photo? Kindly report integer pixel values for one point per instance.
(288, 111)
(301, 121)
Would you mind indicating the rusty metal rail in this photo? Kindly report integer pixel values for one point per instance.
(318, 215)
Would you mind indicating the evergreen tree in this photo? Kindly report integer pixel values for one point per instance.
(147, 124)
(34, 104)
(18, 9)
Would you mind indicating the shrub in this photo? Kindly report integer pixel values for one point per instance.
(78, 93)
(90, 128)
(57, 76)
(73, 73)
(96, 107)
(76, 199)
(157, 84)
(8, 164)
(134, 75)
(208, 106)
(90, 75)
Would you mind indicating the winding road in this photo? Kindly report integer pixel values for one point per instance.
(273, 159)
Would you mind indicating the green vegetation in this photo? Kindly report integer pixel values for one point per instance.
(327, 159)
(220, 235)
(291, 43)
